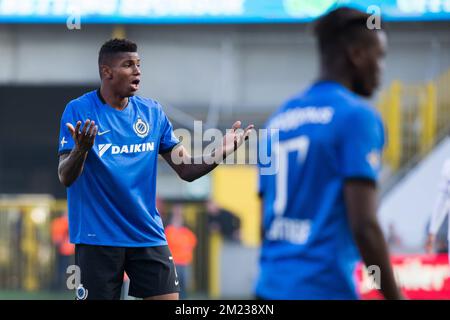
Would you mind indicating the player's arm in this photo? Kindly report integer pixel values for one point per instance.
(361, 201)
(190, 169)
(439, 213)
(71, 164)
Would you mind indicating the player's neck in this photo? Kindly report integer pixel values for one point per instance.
(113, 100)
(336, 76)
(341, 80)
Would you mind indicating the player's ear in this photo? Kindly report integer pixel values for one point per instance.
(105, 72)
(356, 56)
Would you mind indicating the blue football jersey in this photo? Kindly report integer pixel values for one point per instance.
(316, 141)
(112, 202)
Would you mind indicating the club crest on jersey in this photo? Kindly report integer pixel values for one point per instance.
(82, 292)
(374, 159)
(141, 128)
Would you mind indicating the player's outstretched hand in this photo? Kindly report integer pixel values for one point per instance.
(84, 139)
(235, 137)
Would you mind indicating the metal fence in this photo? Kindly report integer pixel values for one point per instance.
(27, 254)
(416, 117)
(29, 258)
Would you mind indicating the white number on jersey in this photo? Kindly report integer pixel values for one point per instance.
(299, 145)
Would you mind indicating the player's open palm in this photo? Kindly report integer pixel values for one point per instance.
(235, 137)
(84, 139)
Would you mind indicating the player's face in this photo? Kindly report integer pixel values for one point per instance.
(125, 74)
(370, 67)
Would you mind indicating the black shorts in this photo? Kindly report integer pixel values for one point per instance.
(151, 271)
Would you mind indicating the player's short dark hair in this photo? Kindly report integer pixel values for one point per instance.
(340, 28)
(114, 46)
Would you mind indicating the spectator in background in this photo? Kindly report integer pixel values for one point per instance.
(439, 243)
(440, 213)
(393, 239)
(64, 249)
(182, 243)
(223, 221)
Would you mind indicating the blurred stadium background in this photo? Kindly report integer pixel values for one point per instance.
(215, 61)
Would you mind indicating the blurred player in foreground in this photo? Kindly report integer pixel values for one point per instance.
(320, 206)
(441, 209)
(109, 146)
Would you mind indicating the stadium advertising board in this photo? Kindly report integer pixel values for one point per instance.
(210, 11)
(420, 276)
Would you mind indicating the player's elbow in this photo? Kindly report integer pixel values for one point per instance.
(63, 179)
(188, 177)
(185, 173)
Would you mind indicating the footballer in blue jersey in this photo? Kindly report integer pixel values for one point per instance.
(319, 203)
(109, 144)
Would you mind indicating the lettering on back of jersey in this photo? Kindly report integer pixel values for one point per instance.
(295, 231)
(294, 118)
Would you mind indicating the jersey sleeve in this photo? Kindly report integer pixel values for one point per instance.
(66, 142)
(168, 140)
(361, 145)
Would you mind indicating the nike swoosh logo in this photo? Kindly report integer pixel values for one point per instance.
(176, 282)
(102, 133)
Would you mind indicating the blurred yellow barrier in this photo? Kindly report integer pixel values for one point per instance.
(428, 116)
(390, 109)
(234, 189)
(215, 250)
(415, 118)
(27, 253)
